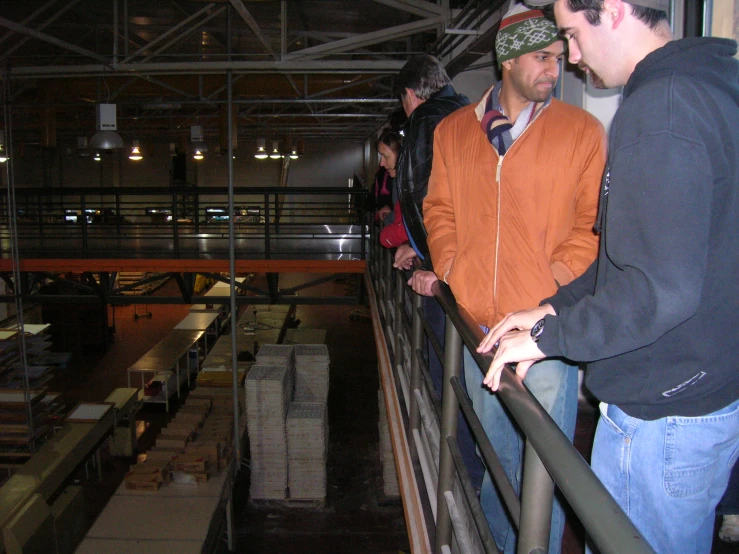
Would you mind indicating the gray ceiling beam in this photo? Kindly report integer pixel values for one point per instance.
(41, 27)
(416, 7)
(345, 86)
(166, 34)
(30, 18)
(184, 34)
(366, 39)
(337, 67)
(238, 5)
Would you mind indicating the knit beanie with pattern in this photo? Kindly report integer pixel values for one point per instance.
(523, 30)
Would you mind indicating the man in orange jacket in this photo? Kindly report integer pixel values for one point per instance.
(510, 210)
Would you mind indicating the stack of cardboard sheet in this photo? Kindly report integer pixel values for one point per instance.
(389, 473)
(268, 394)
(311, 373)
(279, 355)
(19, 437)
(307, 439)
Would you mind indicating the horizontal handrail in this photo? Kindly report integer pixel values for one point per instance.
(22, 191)
(606, 524)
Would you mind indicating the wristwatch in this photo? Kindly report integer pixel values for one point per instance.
(537, 330)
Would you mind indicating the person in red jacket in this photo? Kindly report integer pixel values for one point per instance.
(388, 147)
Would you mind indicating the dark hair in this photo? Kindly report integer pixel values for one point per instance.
(423, 74)
(592, 8)
(396, 119)
(390, 138)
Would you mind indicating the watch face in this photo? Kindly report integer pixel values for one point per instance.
(537, 329)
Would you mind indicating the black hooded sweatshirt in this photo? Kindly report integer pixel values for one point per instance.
(657, 314)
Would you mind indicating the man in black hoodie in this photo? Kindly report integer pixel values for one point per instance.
(656, 316)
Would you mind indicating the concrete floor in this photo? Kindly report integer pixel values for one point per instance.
(356, 516)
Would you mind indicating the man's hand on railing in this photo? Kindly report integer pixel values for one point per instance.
(405, 257)
(421, 282)
(514, 343)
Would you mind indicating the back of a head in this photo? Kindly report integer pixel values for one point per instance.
(390, 138)
(652, 13)
(424, 75)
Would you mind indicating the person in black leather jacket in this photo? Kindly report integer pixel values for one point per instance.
(428, 96)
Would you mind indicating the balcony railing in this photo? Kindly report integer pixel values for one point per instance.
(176, 223)
(431, 425)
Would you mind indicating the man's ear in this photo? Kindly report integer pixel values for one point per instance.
(614, 12)
(408, 93)
(508, 64)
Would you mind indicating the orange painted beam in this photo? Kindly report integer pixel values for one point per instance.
(186, 266)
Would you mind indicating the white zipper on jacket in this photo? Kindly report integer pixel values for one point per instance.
(497, 223)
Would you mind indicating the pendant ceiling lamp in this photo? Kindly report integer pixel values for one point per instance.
(106, 137)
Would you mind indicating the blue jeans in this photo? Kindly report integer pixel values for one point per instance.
(554, 384)
(668, 474)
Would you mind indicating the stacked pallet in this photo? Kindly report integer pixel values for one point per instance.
(390, 483)
(269, 389)
(281, 355)
(311, 373)
(307, 439)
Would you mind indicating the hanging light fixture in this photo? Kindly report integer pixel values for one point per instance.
(196, 138)
(275, 155)
(106, 137)
(261, 153)
(3, 151)
(135, 154)
(294, 153)
(96, 157)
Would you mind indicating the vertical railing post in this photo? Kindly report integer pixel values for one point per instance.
(416, 343)
(41, 217)
(196, 212)
(387, 272)
(362, 255)
(175, 227)
(118, 216)
(363, 226)
(85, 253)
(449, 417)
(398, 320)
(266, 227)
(537, 493)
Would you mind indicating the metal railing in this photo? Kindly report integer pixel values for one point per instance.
(175, 222)
(549, 454)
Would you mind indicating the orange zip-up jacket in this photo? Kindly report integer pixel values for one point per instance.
(504, 232)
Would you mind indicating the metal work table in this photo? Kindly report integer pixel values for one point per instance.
(49, 468)
(200, 321)
(163, 358)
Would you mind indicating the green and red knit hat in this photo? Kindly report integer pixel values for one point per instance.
(523, 30)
